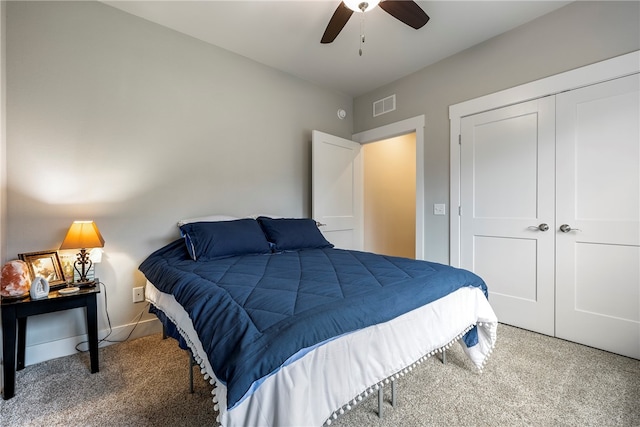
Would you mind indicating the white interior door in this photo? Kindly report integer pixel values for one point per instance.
(598, 197)
(507, 209)
(337, 189)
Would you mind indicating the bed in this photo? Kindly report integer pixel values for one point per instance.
(292, 331)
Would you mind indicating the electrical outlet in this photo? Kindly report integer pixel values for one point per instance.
(138, 294)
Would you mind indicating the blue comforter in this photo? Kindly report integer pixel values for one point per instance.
(253, 312)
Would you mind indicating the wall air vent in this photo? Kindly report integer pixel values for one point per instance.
(384, 105)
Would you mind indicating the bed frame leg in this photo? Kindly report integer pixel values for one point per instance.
(444, 357)
(381, 397)
(393, 393)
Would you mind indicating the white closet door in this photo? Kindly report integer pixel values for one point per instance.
(507, 203)
(598, 198)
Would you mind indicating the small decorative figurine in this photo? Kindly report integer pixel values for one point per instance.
(39, 288)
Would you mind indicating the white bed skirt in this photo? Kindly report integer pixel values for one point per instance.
(319, 386)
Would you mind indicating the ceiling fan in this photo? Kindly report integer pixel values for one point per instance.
(406, 11)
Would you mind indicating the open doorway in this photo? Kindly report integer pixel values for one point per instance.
(415, 127)
(337, 187)
(390, 196)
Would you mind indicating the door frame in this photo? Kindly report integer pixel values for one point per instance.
(609, 69)
(411, 125)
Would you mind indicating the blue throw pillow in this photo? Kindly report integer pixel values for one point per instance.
(288, 234)
(211, 240)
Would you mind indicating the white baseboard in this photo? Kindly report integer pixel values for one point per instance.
(52, 350)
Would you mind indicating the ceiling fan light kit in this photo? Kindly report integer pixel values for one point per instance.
(361, 6)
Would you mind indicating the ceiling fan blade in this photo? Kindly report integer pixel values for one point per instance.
(406, 11)
(337, 23)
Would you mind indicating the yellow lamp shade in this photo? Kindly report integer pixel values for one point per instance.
(83, 235)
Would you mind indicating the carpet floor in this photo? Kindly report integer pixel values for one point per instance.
(530, 380)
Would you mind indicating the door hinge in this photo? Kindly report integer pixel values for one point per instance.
(459, 139)
(459, 210)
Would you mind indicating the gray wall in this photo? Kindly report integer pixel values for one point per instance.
(578, 34)
(118, 120)
(3, 129)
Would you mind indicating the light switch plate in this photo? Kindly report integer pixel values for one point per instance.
(439, 209)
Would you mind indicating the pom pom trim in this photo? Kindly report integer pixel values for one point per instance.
(374, 387)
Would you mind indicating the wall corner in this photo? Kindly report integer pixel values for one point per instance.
(3, 129)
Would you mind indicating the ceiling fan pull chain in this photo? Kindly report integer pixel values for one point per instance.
(361, 33)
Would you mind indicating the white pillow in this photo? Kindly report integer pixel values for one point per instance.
(209, 218)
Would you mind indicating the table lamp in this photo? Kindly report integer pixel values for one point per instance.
(83, 235)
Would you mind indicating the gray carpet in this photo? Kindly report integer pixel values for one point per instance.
(530, 380)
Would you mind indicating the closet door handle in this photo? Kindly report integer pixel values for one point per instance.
(565, 228)
(541, 227)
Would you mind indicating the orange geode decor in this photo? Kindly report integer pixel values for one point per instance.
(15, 279)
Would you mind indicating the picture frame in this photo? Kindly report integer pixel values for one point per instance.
(45, 264)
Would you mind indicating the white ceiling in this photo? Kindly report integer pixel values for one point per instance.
(286, 34)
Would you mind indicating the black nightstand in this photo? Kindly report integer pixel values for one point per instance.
(15, 313)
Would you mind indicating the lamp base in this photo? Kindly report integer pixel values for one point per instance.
(83, 283)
